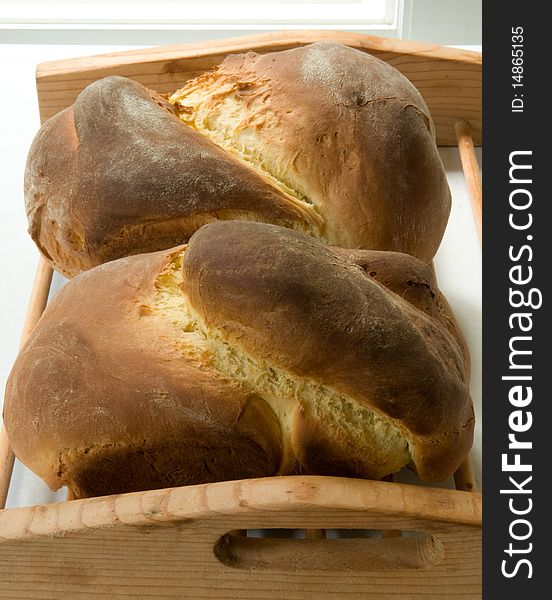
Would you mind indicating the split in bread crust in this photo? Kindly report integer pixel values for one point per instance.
(253, 351)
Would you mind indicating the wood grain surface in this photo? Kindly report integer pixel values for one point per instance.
(470, 167)
(449, 79)
(167, 543)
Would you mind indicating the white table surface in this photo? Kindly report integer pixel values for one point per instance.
(458, 262)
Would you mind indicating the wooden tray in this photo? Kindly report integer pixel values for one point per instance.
(191, 542)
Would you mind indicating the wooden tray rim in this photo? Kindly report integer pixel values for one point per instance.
(325, 497)
(55, 70)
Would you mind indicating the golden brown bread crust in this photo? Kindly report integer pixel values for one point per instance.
(119, 173)
(345, 130)
(100, 399)
(283, 296)
(252, 352)
(414, 281)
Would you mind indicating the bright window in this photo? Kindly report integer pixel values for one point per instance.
(377, 14)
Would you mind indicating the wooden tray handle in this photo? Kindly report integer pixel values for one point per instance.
(466, 147)
(174, 543)
(418, 550)
(37, 304)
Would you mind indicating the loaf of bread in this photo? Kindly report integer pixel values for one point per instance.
(323, 139)
(255, 350)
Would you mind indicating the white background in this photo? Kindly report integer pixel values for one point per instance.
(458, 261)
